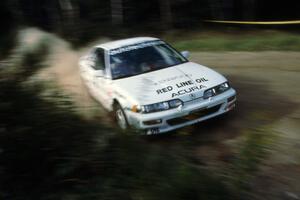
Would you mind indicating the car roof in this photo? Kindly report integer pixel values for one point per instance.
(124, 42)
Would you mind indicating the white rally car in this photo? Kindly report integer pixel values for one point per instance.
(151, 87)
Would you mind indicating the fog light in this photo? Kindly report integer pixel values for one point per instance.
(230, 106)
(230, 99)
(152, 122)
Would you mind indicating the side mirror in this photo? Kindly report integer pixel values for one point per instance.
(185, 54)
(99, 73)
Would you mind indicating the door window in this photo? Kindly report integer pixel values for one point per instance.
(99, 59)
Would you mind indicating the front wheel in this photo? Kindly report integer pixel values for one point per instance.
(120, 117)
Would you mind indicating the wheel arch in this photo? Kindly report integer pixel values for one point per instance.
(115, 102)
(121, 101)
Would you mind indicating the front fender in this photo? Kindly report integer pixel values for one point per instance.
(122, 100)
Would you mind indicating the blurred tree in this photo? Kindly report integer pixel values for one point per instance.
(249, 8)
(166, 14)
(7, 36)
(70, 17)
(116, 11)
(216, 9)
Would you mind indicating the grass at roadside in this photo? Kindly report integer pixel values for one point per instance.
(242, 41)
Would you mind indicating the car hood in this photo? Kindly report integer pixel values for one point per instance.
(185, 81)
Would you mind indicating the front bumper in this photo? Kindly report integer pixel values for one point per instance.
(190, 113)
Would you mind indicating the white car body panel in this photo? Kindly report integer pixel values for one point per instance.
(186, 82)
(149, 88)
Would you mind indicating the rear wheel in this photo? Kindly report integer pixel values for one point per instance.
(120, 117)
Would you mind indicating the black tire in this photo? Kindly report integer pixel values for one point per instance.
(120, 117)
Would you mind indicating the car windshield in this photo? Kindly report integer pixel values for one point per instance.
(142, 58)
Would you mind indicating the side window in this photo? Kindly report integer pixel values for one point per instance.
(99, 59)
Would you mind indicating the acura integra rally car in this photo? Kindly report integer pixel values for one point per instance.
(151, 87)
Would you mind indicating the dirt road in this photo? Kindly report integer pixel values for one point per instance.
(268, 93)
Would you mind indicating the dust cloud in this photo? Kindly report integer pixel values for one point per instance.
(62, 66)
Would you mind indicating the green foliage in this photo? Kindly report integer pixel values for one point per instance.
(260, 41)
(252, 152)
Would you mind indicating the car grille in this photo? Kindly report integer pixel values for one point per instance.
(194, 115)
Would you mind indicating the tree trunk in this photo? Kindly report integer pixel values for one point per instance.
(70, 17)
(249, 10)
(216, 9)
(166, 14)
(116, 12)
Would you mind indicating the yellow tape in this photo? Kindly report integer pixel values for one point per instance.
(253, 22)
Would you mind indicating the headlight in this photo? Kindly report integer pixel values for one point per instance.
(156, 107)
(175, 103)
(222, 88)
(216, 90)
(209, 93)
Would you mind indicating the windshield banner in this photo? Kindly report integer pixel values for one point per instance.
(135, 46)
